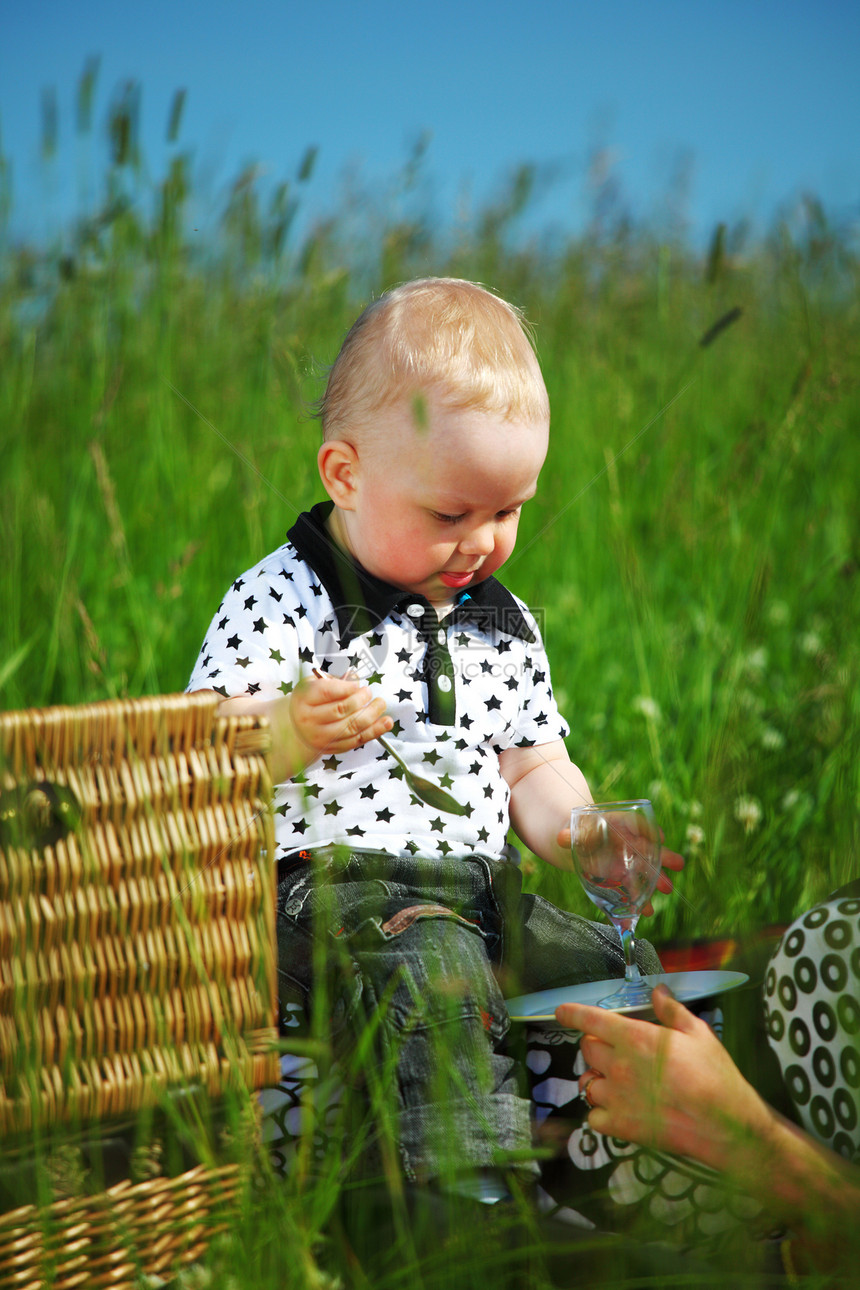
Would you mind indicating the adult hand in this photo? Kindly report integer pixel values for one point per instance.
(672, 1086)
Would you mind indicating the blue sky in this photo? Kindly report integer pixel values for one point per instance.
(750, 102)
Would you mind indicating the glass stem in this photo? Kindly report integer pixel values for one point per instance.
(631, 968)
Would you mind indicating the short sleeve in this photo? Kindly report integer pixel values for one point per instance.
(252, 644)
(539, 720)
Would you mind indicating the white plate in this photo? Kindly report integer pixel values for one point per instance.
(685, 986)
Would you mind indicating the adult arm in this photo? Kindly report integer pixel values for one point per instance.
(674, 1087)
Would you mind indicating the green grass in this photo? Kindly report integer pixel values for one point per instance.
(694, 543)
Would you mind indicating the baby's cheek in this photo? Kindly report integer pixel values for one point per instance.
(503, 548)
(415, 556)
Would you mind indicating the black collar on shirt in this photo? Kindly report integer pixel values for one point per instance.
(361, 600)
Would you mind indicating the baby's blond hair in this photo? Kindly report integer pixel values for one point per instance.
(445, 336)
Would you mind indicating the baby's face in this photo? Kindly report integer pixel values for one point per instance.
(437, 507)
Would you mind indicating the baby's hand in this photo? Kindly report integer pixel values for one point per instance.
(668, 860)
(336, 714)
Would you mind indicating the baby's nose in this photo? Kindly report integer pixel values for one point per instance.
(479, 541)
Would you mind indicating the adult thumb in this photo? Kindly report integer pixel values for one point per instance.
(670, 1011)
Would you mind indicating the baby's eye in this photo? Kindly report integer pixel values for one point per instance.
(446, 519)
(507, 515)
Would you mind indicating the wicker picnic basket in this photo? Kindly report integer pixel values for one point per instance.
(137, 980)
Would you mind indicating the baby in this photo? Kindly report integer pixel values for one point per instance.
(382, 616)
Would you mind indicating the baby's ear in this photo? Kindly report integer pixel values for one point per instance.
(337, 461)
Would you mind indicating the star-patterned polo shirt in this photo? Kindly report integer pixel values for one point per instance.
(460, 690)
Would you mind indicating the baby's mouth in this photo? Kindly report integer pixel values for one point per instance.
(457, 579)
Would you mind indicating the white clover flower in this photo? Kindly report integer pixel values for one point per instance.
(194, 1278)
(772, 739)
(656, 789)
(795, 799)
(756, 660)
(748, 813)
(694, 809)
(810, 643)
(695, 836)
(648, 707)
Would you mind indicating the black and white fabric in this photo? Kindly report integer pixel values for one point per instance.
(812, 1000)
(461, 690)
(304, 1107)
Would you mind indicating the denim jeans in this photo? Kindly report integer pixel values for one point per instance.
(408, 954)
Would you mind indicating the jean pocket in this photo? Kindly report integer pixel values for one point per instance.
(428, 966)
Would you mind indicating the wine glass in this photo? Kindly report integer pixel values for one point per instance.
(616, 852)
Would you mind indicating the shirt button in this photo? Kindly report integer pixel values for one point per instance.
(444, 683)
(415, 611)
(440, 636)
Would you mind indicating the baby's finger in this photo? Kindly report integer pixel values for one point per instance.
(356, 719)
(338, 707)
(348, 728)
(668, 860)
(379, 726)
(353, 717)
(330, 692)
(370, 720)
